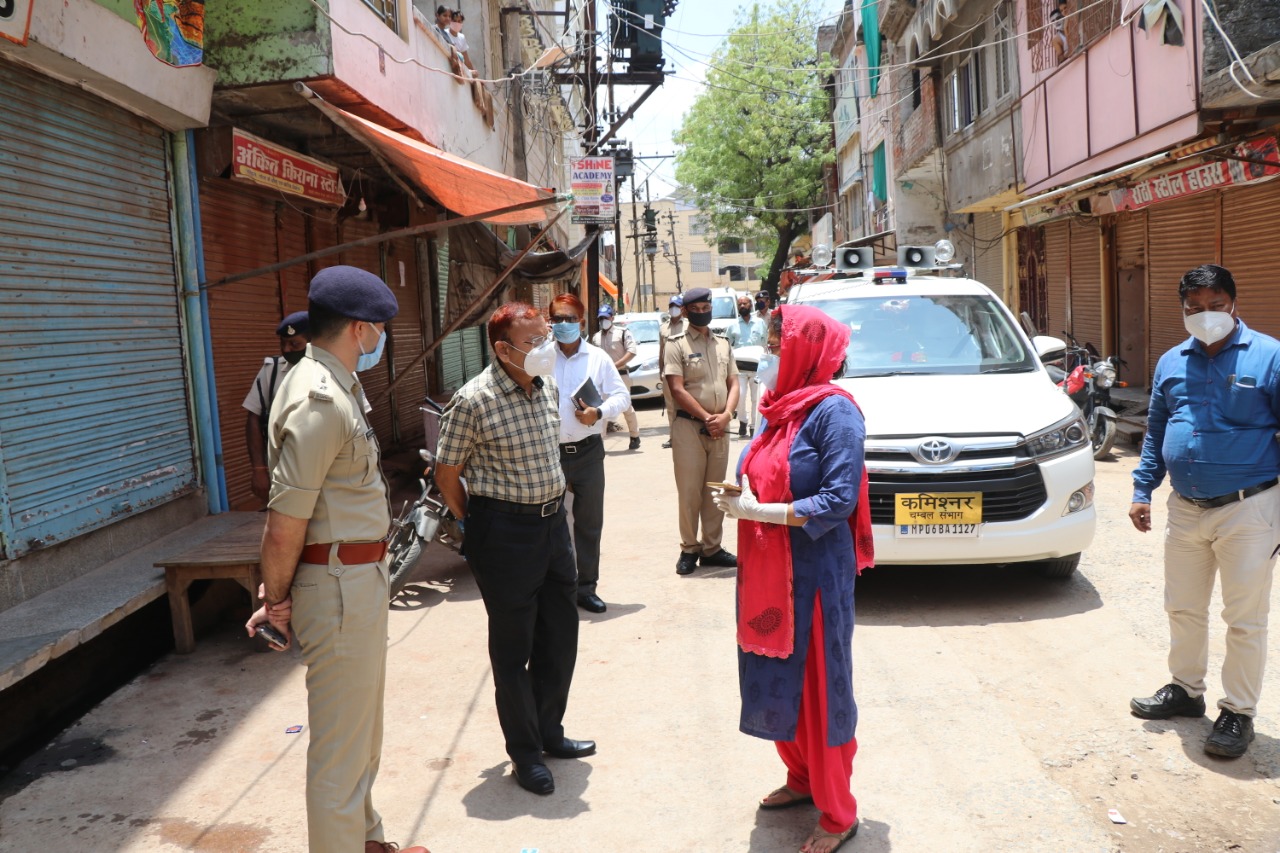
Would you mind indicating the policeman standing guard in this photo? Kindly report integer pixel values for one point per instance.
(294, 335)
(672, 323)
(700, 370)
(324, 548)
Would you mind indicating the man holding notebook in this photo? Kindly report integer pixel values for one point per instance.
(591, 394)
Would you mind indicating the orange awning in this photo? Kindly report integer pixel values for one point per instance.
(608, 286)
(459, 185)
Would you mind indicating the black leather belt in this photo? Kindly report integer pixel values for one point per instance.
(681, 413)
(576, 446)
(547, 509)
(1223, 500)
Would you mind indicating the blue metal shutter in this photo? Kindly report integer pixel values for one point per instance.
(94, 420)
(453, 374)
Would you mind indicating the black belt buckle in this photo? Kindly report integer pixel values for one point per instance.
(549, 508)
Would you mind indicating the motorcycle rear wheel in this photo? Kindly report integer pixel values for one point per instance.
(404, 557)
(1102, 433)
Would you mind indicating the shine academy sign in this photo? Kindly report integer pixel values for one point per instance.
(591, 179)
(15, 20)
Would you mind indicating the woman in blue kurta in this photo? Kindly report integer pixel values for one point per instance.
(804, 532)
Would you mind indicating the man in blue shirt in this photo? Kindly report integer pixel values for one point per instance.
(747, 331)
(1215, 411)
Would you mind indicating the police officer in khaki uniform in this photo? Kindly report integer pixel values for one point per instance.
(672, 323)
(324, 568)
(294, 336)
(698, 367)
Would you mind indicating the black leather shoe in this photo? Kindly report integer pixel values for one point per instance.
(591, 603)
(666, 445)
(721, 558)
(1169, 701)
(686, 564)
(742, 429)
(1232, 734)
(568, 748)
(535, 778)
(634, 444)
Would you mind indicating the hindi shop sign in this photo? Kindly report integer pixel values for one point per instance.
(1213, 175)
(268, 165)
(15, 20)
(591, 179)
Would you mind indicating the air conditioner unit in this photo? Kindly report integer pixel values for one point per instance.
(916, 256)
(860, 258)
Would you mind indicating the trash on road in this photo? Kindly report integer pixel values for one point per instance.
(1115, 816)
(293, 730)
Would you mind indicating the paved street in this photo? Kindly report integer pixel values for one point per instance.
(993, 718)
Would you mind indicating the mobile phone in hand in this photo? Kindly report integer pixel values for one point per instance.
(271, 633)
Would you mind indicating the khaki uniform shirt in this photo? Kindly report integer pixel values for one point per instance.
(323, 455)
(617, 342)
(704, 360)
(507, 441)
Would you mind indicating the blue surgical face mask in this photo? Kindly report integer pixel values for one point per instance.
(566, 333)
(767, 372)
(370, 359)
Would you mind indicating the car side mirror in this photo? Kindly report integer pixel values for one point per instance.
(1049, 349)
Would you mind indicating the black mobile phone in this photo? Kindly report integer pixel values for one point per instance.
(270, 632)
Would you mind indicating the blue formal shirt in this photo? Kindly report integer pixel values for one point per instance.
(747, 333)
(1213, 420)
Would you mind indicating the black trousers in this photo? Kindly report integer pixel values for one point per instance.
(523, 565)
(584, 475)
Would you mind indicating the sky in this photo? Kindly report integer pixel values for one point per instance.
(690, 37)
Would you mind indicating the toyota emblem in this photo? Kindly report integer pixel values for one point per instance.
(935, 450)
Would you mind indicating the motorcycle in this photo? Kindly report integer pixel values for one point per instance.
(1088, 380)
(421, 522)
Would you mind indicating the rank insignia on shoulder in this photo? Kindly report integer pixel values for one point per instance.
(320, 390)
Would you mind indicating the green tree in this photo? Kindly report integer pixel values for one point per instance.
(755, 142)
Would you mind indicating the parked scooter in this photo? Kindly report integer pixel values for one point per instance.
(1088, 380)
(424, 520)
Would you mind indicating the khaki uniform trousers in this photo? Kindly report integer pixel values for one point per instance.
(340, 620)
(1239, 541)
(698, 459)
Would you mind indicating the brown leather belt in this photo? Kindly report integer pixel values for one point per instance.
(349, 553)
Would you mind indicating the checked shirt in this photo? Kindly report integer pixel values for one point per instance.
(507, 442)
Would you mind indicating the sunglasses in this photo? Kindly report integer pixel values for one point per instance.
(564, 318)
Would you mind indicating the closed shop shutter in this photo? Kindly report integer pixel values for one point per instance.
(1057, 246)
(453, 374)
(94, 422)
(1250, 234)
(1131, 240)
(988, 250)
(407, 329)
(1180, 235)
(473, 344)
(238, 229)
(1086, 283)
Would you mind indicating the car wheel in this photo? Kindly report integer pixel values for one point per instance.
(1063, 567)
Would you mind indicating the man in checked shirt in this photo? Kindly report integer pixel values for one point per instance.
(501, 431)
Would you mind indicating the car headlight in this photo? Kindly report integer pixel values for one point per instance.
(647, 365)
(1105, 377)
(1063, 437)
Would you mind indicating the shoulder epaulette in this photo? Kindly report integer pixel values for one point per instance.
(320, 388)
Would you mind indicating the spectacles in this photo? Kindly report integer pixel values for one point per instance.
(564, 318)
(534, 342)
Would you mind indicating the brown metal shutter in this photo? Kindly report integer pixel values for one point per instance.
(1250, 233)
(988, 251)
(407, 328)
(238, 230)
(374, 381)
(1180, 235)
(1057, 247)
(1131, 240)
(1086, 283)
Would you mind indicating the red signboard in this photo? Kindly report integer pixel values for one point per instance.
(268, 165)
(1259, 154)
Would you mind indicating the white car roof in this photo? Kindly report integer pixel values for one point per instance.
(915, 285)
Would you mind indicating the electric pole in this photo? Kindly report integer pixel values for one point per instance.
(675, 250)
(592, 284)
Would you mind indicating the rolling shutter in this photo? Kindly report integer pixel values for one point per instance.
(1131, 240)
(1180, 235)
(94, 422)
(1086, 283)
(453, 374)
(407, 329)
(1251, 232)
(1057, 246)
(988, 250)
(373, 381)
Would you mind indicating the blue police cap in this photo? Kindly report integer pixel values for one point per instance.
(296, 323)
(697, 294)
(677, 301)
(355, 293)
(605, 311)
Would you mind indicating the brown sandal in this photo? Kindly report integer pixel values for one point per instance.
(820, 834)
(785, 798)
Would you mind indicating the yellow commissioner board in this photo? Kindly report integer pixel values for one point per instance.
(920, 514)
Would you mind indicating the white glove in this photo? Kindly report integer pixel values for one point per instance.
(746, 506)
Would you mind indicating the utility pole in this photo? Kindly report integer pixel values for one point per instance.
(675, 250)
(592, 284)
(635, 236)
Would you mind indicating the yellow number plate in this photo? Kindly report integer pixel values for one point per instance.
(941, 514)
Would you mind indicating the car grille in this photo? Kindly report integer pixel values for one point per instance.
(639, 389)
(1007, 495)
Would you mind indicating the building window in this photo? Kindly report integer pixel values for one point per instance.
(387, 11)
(699, 262)
(1002, 48)
(966, 92)
(731, 246)
(697, 225)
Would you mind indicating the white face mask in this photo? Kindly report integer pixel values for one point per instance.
(767, 372)
(539, 361)
(606, 325)
(1209, 327)
(675, 313)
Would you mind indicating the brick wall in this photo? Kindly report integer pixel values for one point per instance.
(915, 130)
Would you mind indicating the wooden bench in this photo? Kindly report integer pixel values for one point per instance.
(233, 555)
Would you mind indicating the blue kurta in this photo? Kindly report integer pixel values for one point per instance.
(826, 472)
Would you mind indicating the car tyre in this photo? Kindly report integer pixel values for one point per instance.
(1062, 567)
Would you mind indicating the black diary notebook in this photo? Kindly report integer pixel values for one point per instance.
(588, 394)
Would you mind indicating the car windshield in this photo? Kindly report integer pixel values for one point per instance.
(644, 331)
(928, 334)
(724, 308)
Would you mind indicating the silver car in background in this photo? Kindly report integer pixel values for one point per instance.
(643, 371)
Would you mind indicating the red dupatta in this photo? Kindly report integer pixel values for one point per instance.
(813, 347)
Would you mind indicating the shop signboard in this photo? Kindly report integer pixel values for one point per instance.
(591, 179)
(269, 165)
